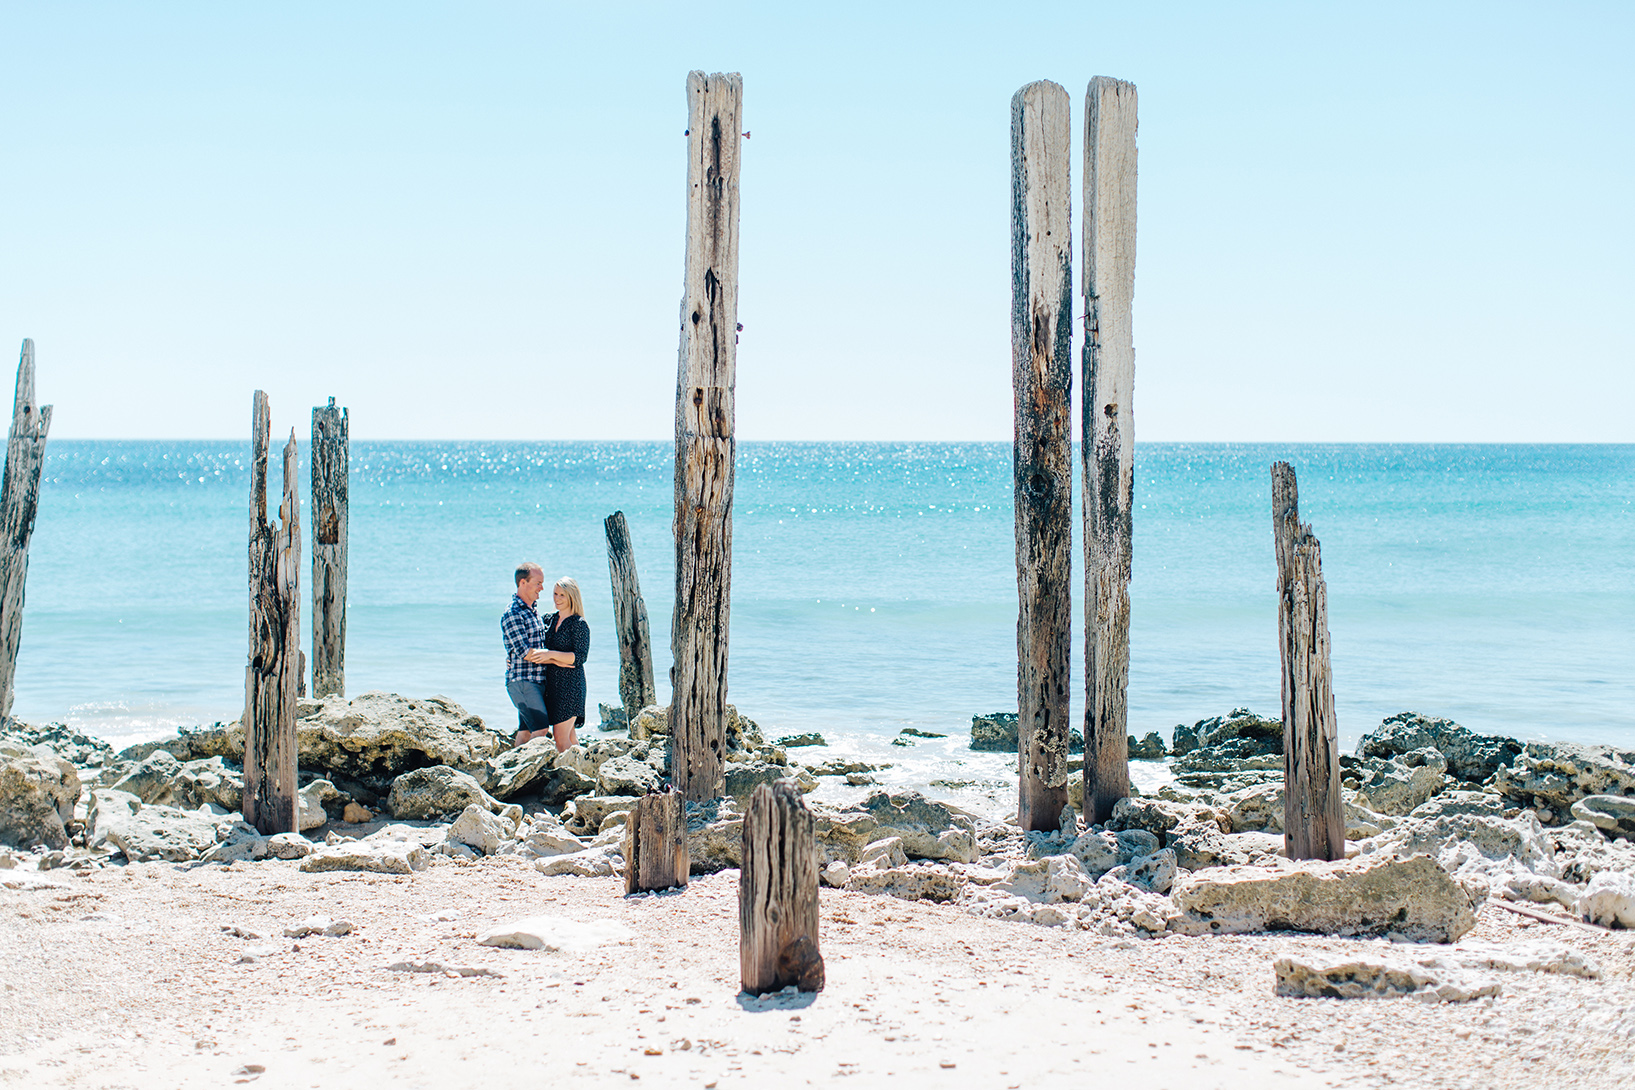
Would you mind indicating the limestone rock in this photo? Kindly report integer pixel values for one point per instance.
(589, 811)
(314, 798)
(1449, 803)
(885, 852)
(742, 778)
(477, 828)
(1479, 849)
(613, 717)
(1155, 872)
(1609, 900)
(1238, 734)
(1318, 976)
(562, 785)
(427, 794)
(1099, 852)
(80, 750)
(164, 832)
(1612, 814)
(153, 779)
(1373, 895)
(385, 856)
(237, 842)
(38, 793)
(995, 733)
(211, 781)
(522, 770)
(353, 814)
(626, 776)
(1149, 748)
(555, 933)
(1397, 785)
(1050, 880)
(840, 766)
(652, 721)
(790, 741)
(715, 836)
(914, 882)
(1525, 957)
(596, 862)
(289, 846)
(930, 830)
(835, 874)
(1553, 776)
(1470, 757)
(545, 836)
(105, 807)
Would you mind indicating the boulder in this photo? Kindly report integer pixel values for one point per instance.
(79, 750)
(1479, 849)
(651, 722)
(521, 770)
(613, 717)
(595, 862)
(1149, 748)
(715, 836)
(153, 779)
(106, 806)
(428, 794)
(996, 733)
(1050, 880)
(1449, 803)
(840, 766)
(1609, 900)
(383, 856)
(790, 741)
(316, 798)
(211, 781)
(626, 776)
(562, 785)
(1553, 776)
(164, 832)
(38, 793)
(237, 842)
(743, 777)
(1238, 734)
(477, 828)
(1158, 816)
(1470, 757)
(1396, 785)
(289, 846)
(913, 882)
(1154, 873)
(545, 836)
(1377, 895)
(1317, 975)
(1614, 815)
(589, 811)
(886, 852)
(930, 830)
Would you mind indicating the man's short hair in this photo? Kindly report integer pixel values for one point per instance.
(524, 570)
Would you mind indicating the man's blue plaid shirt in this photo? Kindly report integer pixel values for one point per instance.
(522, 630)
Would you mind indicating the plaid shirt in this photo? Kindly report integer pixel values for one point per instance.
(522, 630)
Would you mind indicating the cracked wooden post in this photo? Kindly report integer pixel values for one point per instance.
(1313, 811)
(655, 843)
(1042, 377)
(778, 894)
(636, 689)
(1108, 436)
(272, 676)
(705, 447)
(19, 503)
(329, 536)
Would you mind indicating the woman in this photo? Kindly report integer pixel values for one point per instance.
(567, 642)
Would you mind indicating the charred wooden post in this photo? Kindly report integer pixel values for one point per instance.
(655, 843)
(19, 503)
(1108, 436)
(778, 894)
(636, 689)
(1313, 812)
(1042, 377)
(330, 457)
(705, 446)
(272, 677)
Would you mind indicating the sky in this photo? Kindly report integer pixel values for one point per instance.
(1403, 222)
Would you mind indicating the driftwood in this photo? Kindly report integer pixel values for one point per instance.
(778, 894)
(705, 446)
(19, 503)
(1108, 436)
(272, 676)
(636, 689)
(655, 843)
(1313, 812)
(1042, 376)
(329, 534)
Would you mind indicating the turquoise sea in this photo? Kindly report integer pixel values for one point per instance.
(873, 583)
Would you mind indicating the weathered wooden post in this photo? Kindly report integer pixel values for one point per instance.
(778, 894)
(655, 843)
(1313, 812)
(705, 447)
(1042, 377)
(1108, 436)
(330, 458)
(19, 503)
(272, 676)
(636, 689)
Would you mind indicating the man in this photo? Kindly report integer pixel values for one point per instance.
(524, 633)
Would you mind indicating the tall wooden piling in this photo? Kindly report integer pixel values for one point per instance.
(1313, 811)
(636, 690)
(272, 675)
(778, 894)
(1108, 435)
(1042, 378)
(330, 457)
(19, 503)
(705, 446)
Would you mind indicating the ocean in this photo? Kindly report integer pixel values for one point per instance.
(873, 583)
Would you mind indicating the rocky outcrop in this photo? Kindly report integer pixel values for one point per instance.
(1609, 900)
(1480, 850)
(1614, 815)
(1360, 977)
(1470, 757)
(1550, 777)
(998, 733)
(1397, 784)
(38, 793)
(164, 832)
(1413, 897)
(1239, 734)
(521, 771)
(436, 792)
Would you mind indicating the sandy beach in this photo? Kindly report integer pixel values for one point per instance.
(133, 977)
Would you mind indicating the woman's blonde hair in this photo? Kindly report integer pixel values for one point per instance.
(576, 601)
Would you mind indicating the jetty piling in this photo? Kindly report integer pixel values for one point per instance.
(19, 504)
(778, 894)
(655, 843)
(1107, 433)
(636, 689)
(705, 444)
(1313, 811)
(1042, 380)
(272, 675)
(330, 458)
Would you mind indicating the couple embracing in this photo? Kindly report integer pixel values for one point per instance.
(545, 659)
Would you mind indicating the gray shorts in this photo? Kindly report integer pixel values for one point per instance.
(529, 697)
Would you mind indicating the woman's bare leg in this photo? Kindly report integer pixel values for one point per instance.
(566, 736)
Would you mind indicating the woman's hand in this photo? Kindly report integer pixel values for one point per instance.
(537, 655)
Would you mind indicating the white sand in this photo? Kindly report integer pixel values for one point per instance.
(125, 978)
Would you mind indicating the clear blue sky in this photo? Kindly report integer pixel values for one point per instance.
(1358, 222)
